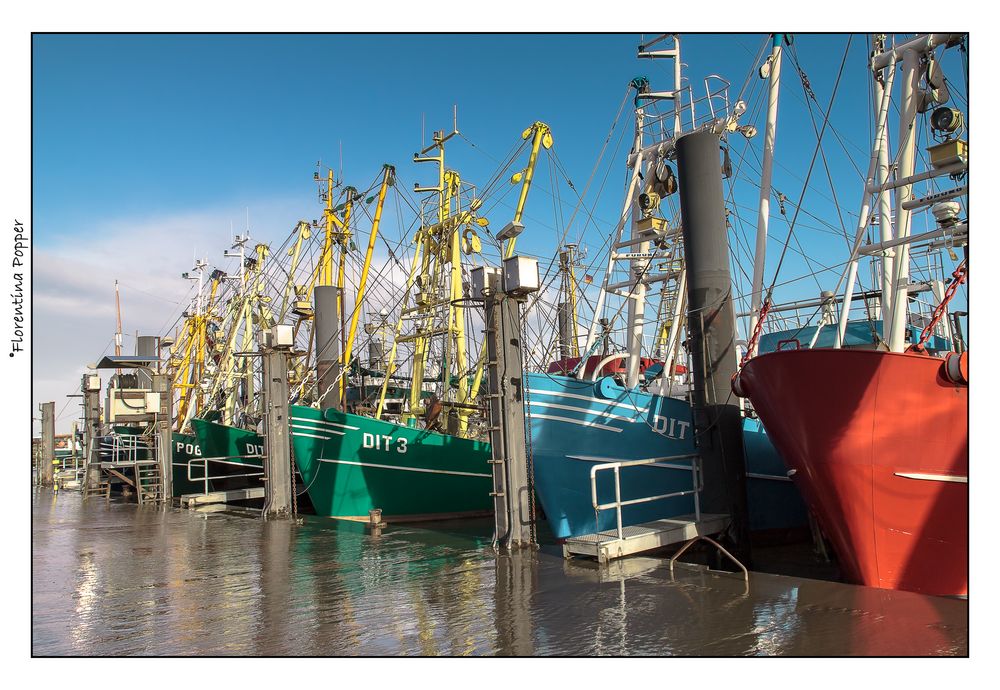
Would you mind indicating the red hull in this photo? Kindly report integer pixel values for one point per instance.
(879, 443)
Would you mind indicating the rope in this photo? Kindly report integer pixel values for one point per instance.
(957, 278)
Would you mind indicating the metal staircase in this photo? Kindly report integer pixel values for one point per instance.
(149, 482)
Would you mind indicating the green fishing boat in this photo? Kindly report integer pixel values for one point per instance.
(352, 464)
(184, 449)
(418, 452)
(235, 455)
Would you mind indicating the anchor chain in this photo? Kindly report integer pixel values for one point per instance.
(957, 278)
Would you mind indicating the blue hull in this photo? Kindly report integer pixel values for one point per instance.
(577, 424)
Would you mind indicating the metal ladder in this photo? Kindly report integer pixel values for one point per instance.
(103, 487)
(149, 482)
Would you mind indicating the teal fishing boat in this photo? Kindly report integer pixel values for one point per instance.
(422, 457)
(352, 464)
(232, 457)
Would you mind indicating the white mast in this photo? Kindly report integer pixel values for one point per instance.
(907, 160)
(118, 317)
(884, 206)
(772, 69)
(895, 321)
(880, 138)
(637, 270)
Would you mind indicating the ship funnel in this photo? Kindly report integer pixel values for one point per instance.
(327, 325)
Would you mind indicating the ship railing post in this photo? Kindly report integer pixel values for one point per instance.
(618, 500)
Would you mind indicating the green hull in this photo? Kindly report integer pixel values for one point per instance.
(185, 448)
(352, 464)
(230, 445)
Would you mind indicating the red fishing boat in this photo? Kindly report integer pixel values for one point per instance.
(876, 433)
(878, 444)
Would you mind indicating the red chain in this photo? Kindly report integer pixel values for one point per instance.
(958, 277)
(752, 344)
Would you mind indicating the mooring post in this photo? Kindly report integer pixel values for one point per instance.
(91, 388)
(160, 383)
(512, 485)
(712, 335)
(327, 329)
(275, 347)
(48, 455)
(36, 452)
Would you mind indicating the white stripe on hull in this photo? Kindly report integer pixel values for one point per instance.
(588, 398)
(324, 422)
(934, 477)
(302, 433)
(312, 428)
(608, 415)
(576, 421)
(405, 469)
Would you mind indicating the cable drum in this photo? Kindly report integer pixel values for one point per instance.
(956, 368)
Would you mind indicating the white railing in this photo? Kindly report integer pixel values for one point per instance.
(126, 450)
(618, 503)
(223, 460)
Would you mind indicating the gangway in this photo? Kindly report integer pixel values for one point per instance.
(630, 540)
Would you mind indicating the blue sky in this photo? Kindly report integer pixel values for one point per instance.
(153, 143)
(151, 124)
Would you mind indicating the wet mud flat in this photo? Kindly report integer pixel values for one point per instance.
(112, 578)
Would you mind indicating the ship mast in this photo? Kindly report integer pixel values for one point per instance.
(895, 302)
(904, 169)
(569, 335)
(434, 305)
(644, 227)
(388, 179)
(771, 69)
(438, 246)
(882, 176)
(118, 329)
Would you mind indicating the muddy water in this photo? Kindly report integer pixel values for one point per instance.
(119, 579)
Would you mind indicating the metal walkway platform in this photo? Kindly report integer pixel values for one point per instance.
(193, 500)
(605, 546)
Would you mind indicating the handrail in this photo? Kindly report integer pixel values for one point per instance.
(618, 503)
(223, 459)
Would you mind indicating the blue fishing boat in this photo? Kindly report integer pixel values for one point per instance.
(577, 424)
(602, 402)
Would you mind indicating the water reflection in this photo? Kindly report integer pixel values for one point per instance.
(122, 579)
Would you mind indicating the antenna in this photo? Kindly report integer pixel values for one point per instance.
(454, 117)
(423, 125)
(341, 142)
